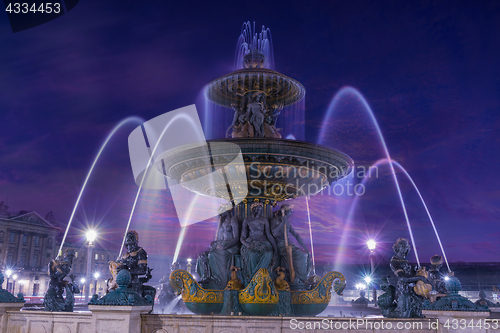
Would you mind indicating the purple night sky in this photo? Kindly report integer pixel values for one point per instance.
(428, 69)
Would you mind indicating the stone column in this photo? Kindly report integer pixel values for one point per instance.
(32, 250)
(19, 247)
(5, 247)
(117, 319)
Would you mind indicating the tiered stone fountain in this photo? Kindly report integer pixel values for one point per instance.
(253, 267)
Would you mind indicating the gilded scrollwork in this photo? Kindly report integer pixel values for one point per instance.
(186, 285)
(322, 293)
(260, 289)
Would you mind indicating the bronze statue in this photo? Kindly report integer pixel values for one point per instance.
(273, 113)
(296, 261)
(436, 277)
(58, 270)
(254, 118)
(485, 303)
(256, 114)
(259, 248)
(239, 119)
(225, 247)
(361, 301)
(135, 260)
(214, 265)
(386, 301)
(408, 302)
(167, 293)
(202, 268)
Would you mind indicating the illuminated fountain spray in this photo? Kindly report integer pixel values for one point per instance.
(400, 167)
(182, 234)
(151, 160)
(254, 53)
(427, 211)
(367, 176)
(331, 109)
(110, 135)
(310, 234)
(180, 240)
(260, 44)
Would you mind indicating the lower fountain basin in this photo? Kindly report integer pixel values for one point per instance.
(204, 308)
(197, 299)
(313, 302)
(260, 297)
(263, 168)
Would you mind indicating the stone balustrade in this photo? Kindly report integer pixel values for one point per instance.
(128, 319)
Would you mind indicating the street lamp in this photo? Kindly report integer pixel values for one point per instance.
(14, 278)
(91, 237)
(82, 281)
(8, 273)
(96, 276)
(371, 246)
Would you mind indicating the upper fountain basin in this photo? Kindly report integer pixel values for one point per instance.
(232, 88)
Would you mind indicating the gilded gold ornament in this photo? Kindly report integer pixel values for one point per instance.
(186, 285)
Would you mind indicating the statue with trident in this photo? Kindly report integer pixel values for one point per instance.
(296, 261)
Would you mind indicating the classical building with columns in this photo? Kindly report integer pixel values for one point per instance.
(29, 241)
(27, 244)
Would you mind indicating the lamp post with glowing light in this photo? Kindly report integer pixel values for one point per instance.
(14, 278)
(96, 276)
(82, 281)
(91, 236)
(371, 246)
(8, 273)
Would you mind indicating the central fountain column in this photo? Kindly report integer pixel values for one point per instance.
(242, 210)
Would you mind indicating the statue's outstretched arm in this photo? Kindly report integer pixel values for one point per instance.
(217, 235)
(298, 238)
(277, 230)
(236, 114)
(244, 234)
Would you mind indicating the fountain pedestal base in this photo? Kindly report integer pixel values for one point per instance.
(4, 307)
(117, 319)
